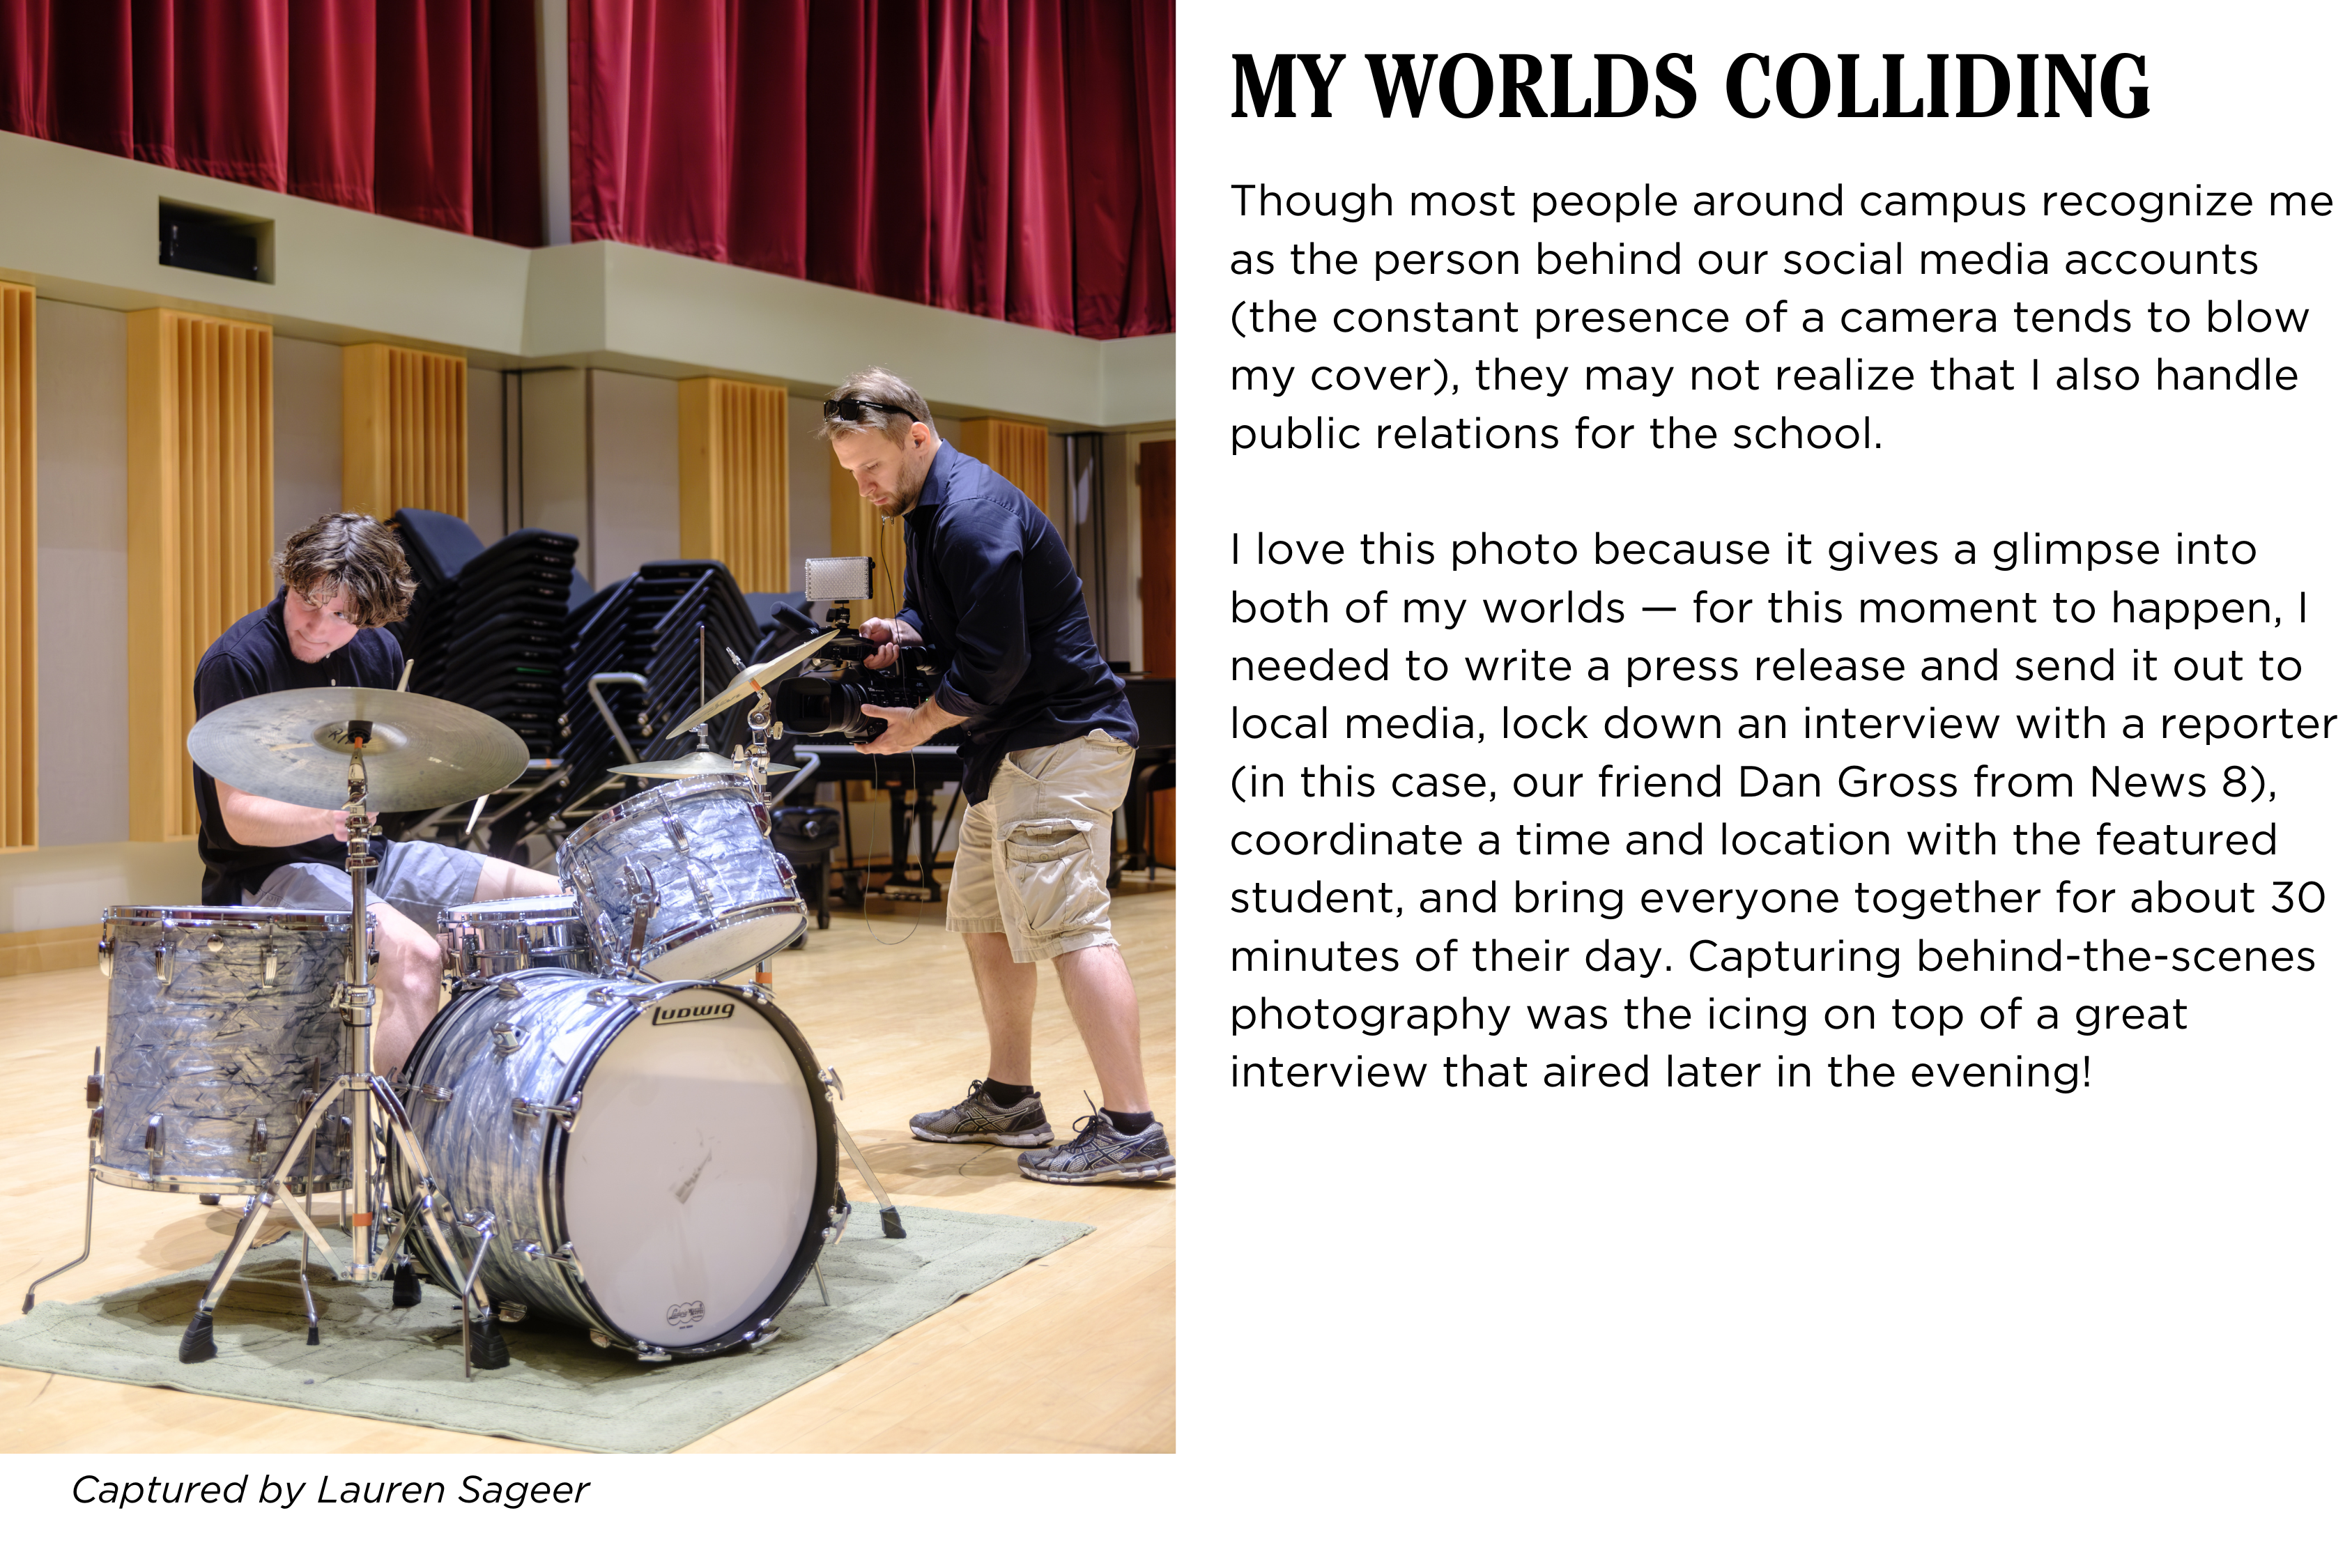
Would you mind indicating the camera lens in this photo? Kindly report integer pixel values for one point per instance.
(811, 705)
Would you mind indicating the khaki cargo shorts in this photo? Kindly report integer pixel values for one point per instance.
(1033, 860)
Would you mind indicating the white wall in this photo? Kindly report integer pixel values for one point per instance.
(306, 406)
(80, 359)
(808, 487)
(47, 888)
(633, 452)
(486, 488)
(552, 438)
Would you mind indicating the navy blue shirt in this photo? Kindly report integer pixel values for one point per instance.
(251, 658)
(989, 582)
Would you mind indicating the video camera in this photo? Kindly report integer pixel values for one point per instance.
(834, 699)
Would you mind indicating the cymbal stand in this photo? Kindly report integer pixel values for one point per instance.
(369, 1097)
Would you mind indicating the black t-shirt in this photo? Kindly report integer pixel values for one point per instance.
(251, 658)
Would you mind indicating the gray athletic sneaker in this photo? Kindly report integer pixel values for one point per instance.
(1100, 1153)
(980, 1119)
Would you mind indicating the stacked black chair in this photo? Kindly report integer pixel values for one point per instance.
(597, 632)
(507, 638)
(673, 623)
(686, 618)
(438, 547)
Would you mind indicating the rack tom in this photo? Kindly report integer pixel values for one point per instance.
(679, 882)
(221, 1029)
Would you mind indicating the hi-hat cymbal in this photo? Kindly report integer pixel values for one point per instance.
(748, 683)
(693, 765)
(296, 746)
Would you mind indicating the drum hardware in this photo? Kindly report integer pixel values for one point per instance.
(155, 1145)
(90, 1180)
(310, 1306)
(163, 951)
(647, 1354)
(493, 1353)
(505, 1039)
(563, 1113)
(508, 990)
(428, 753)
(106, 957)
(257, 1145)
(892, 1227)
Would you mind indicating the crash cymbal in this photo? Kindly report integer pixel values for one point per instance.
(296, 746)
(748, 683)
(693, 765)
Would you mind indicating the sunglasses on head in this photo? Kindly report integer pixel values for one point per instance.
(851, 409)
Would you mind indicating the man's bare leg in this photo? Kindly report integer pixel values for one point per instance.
(408, 977)
(505, 880)
(1101, 997)
(1008, 999)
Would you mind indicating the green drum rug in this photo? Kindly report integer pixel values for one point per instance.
(402, 1365)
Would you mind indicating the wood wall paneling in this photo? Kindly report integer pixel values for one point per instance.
(201, 493)
(859, 530)
(20, 770)
(733, 479)
(403, 430)
(1015, 450)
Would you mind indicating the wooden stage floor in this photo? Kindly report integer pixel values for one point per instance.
(1073, 1353)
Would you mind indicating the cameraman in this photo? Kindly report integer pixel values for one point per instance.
(1048, 742)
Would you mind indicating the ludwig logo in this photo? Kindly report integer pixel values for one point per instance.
(694, 1013)
(684, 1314)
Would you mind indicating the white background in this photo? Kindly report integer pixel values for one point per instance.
(1870, 1326)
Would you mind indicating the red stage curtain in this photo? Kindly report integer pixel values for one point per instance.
(423, 109)
(1010, 158)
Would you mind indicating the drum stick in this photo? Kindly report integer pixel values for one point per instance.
(403, 675)
(478, 803)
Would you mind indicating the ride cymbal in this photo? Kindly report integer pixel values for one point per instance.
(296, 746)
(748, 684)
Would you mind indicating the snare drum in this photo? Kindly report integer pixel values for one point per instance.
(221, 1029)
(484, 941)
(693, 856)
(660, 1158)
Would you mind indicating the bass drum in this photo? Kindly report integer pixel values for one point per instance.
(660, 1158)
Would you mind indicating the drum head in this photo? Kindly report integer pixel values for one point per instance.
(689, 1174)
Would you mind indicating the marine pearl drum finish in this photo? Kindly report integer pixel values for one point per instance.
(660, 1158)
(482, 942)
(220, 1029)
(691, 858)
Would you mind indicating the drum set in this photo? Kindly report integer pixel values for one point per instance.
(597, 1126)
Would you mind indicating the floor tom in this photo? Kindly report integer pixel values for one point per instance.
(221, 1029)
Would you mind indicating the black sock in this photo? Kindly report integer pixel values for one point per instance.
(1006, 1096)
(1129, 1123)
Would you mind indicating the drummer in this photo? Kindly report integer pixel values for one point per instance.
(342, 580)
